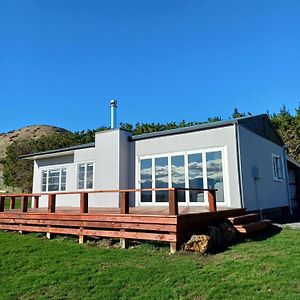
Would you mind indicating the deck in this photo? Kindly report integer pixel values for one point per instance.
(171, 223)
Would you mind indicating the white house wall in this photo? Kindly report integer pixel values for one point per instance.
(70, 163)
(256, 152)
(223, 137)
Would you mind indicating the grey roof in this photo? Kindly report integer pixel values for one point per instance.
(83, 146)
(259, 124)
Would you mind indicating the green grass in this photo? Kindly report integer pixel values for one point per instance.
(263, 267)
(17, 203)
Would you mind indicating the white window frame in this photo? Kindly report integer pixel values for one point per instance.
(275, 160)
(226, 188)
(85, 175)
(60, 168)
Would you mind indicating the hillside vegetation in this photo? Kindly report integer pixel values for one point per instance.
(31, 139)
(29, 132)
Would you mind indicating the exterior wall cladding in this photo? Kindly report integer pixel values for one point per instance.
(116, 160)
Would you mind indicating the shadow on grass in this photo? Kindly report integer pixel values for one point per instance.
(264, 234)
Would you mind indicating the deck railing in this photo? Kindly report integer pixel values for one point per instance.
(84, 199)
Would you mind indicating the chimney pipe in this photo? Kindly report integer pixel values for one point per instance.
(113, 114)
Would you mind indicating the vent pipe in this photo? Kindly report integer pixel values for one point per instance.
(113, 114)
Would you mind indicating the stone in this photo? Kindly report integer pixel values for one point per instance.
(198, 243)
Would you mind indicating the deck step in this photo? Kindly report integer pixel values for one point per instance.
(244, 219)
(253, 226)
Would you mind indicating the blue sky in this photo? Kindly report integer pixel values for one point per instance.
(61, 61)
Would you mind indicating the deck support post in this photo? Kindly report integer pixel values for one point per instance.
(124, 209)
(84, 203)
(173, 247)
(36, 202)
(24, 204)
(173, 202)
(212, 200)
(2, 203)
(51, 203)
(12, 202)
(81, 238)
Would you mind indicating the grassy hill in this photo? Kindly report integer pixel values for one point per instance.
(33, 131)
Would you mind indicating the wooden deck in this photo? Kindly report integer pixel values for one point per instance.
(170, 223)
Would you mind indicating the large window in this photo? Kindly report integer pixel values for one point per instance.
(194, 170)
(277, 167)
(85, 173)
(54, 180)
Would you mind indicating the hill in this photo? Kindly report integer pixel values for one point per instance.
(33, 131)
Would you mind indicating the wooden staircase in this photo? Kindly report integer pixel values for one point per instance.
(248, 223)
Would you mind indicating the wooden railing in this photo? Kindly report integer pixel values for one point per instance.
(84, 199)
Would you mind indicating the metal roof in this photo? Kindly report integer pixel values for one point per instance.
(57, 152)
(259, 124)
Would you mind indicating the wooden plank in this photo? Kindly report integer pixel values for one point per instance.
(51, 203)
(111, 225)
(244, 219)
(12, 202)
(124, 203)
(84, 203)
(252, 227)
(173, 202)
(89, 232)
(109, 217)
(24, 204)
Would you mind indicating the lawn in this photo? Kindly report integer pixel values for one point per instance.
(32, 267)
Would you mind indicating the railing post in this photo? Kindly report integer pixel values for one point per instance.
(51, 203)
(2, 202)
(84, 203)
(173, 202)
(36, 202)
(124, 209)
(124, 202)
(12, 202)
(212, 200)
(24, 204)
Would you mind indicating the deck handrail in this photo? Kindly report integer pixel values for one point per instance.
(124, 198)
(104, 191)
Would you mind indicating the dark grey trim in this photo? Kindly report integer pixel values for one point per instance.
(83, 146)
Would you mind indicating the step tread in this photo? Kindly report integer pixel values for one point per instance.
(253, 226)
(244, 219)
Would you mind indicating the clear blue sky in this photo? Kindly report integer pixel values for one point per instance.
(61, 61)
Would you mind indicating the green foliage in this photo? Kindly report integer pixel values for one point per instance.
(18, 173)
(37, 268)
(288, 127)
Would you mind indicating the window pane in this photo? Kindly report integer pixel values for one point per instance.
(195, 169)
(215, 173)
(90, 167)
(80, 184)
(44, 188)
(53, 187)
(89, 184)
(63, 187)
(81, 176)
(146, 179)
(178, 175)
(81, 168)
(161, 178)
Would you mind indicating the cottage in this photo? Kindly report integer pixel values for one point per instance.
(243, 159)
